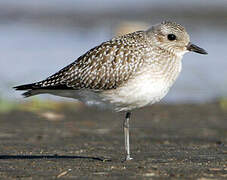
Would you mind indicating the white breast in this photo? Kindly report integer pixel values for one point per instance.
(144, 89)
(136, 93)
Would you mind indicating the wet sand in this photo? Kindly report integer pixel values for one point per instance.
(167, 142)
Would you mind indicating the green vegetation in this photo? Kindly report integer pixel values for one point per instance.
(6, 105)
(223, 103)
(36, 105)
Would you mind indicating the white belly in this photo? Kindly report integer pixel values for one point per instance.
(134, 94)
(143, 90)
(137, 93)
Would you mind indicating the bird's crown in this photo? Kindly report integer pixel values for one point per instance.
(169, 36)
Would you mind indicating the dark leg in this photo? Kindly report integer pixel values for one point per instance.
(126, 132)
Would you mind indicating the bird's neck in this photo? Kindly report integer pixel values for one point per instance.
(166, 66)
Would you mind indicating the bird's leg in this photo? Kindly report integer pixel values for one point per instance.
(126, 132)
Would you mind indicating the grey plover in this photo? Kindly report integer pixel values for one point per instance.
(124, 73)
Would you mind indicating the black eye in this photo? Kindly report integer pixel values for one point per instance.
(171, 37)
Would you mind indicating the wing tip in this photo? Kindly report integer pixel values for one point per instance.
(24, 87)
(29, 88)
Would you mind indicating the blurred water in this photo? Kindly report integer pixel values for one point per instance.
(31, 52)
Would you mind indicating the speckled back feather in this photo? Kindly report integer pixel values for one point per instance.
(104, 67)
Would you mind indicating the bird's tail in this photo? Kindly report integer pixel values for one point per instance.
(31, 89)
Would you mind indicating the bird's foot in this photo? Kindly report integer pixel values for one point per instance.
(128, 158)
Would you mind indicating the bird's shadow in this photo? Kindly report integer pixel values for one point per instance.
(16, 157)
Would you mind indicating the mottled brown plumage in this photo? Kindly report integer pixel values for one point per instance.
(104, 67)
(127, 72)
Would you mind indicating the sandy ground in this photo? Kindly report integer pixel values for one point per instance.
(167, 142)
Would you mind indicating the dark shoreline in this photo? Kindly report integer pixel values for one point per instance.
(168, 141)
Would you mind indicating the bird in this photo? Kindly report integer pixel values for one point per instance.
(124, 73)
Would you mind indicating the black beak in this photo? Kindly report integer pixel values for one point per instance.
(194, 48)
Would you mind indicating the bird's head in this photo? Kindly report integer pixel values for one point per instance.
(172, 37)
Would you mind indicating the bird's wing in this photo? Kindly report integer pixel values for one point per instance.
(104, 67)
